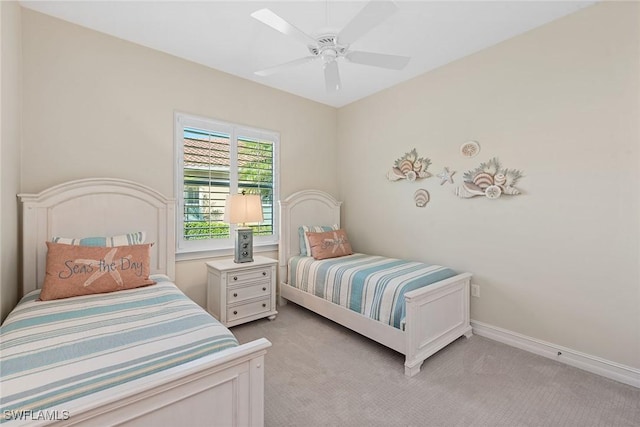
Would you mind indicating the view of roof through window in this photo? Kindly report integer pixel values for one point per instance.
(208, 177)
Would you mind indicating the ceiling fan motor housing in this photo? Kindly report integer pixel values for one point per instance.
(328, 48)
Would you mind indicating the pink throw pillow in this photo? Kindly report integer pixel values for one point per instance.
(329, 244)
(83, 270)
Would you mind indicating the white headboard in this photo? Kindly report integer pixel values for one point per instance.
(306, 207)
(95, 207)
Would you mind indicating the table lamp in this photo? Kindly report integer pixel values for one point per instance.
(240, 209)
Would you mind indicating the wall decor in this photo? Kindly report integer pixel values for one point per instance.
(470, 149)
(489, 179)
(421, 197)
(409, 167)
(446, 176)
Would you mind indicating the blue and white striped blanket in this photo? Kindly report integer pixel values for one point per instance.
(373, 286)
(53, 352)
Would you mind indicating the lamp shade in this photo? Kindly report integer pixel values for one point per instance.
(242, 208)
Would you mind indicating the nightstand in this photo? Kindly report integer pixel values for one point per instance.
(239, 293)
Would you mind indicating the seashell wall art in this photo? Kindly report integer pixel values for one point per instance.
(489, 179)
(409, 167)
(421, 197)
(470, 149)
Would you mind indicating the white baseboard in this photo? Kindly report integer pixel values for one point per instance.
(596, 365)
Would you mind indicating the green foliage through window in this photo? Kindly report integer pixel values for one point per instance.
(218, 159)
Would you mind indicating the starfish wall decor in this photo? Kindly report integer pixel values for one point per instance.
(446, 176)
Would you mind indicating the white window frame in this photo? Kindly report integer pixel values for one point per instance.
(193, 249)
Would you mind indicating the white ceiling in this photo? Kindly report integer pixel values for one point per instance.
(222, 35)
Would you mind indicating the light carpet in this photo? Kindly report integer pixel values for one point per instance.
(321, 374)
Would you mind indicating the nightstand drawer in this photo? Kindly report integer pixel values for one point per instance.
(246, 310)
(247, 276)
(248, 292)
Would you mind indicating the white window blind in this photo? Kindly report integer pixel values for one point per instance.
(215, 159)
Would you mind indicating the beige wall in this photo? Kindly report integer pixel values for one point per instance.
(561, 103)
(10, 70)
(100, 106)
(559, 263)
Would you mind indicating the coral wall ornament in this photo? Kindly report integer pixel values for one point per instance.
(446, 176)
(470, 149)
(489, 180)
(409, 167)
(421, 197)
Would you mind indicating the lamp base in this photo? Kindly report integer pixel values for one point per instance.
(243, 245)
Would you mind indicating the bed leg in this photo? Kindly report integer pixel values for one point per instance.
(410, 371)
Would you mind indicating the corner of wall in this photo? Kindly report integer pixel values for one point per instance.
(10, 161)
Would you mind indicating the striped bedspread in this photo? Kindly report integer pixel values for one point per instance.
(373, 286)
(55, 351)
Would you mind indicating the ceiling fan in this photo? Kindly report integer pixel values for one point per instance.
(330, 47)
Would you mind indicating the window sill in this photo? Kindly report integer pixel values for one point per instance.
(226, 252)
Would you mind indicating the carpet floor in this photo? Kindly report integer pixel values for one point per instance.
(320, 374)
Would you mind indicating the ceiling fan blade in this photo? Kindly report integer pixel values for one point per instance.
(286, 65)
(269, 18)
(393, 62)
(332, 76)
(371, 15)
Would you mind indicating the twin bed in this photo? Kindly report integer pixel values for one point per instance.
(413, 308)
(150, 356)
(143, 356)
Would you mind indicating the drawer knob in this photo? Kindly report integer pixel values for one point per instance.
(235, 312)
(235, 294)
(264, 273)
(235, 277)
(264, 289)
(264, 305)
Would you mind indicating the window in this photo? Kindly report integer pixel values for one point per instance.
(215, 159)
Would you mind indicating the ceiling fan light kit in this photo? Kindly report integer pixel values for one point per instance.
(331, 76)
(330, 47)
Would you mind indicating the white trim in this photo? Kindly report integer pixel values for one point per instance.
(587, 362)
(228, 252)
(193, 249)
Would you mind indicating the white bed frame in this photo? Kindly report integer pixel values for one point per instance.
(436, 315)
(225, 388)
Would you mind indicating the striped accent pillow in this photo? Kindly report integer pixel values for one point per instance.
(305, 247)
(136, 238)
